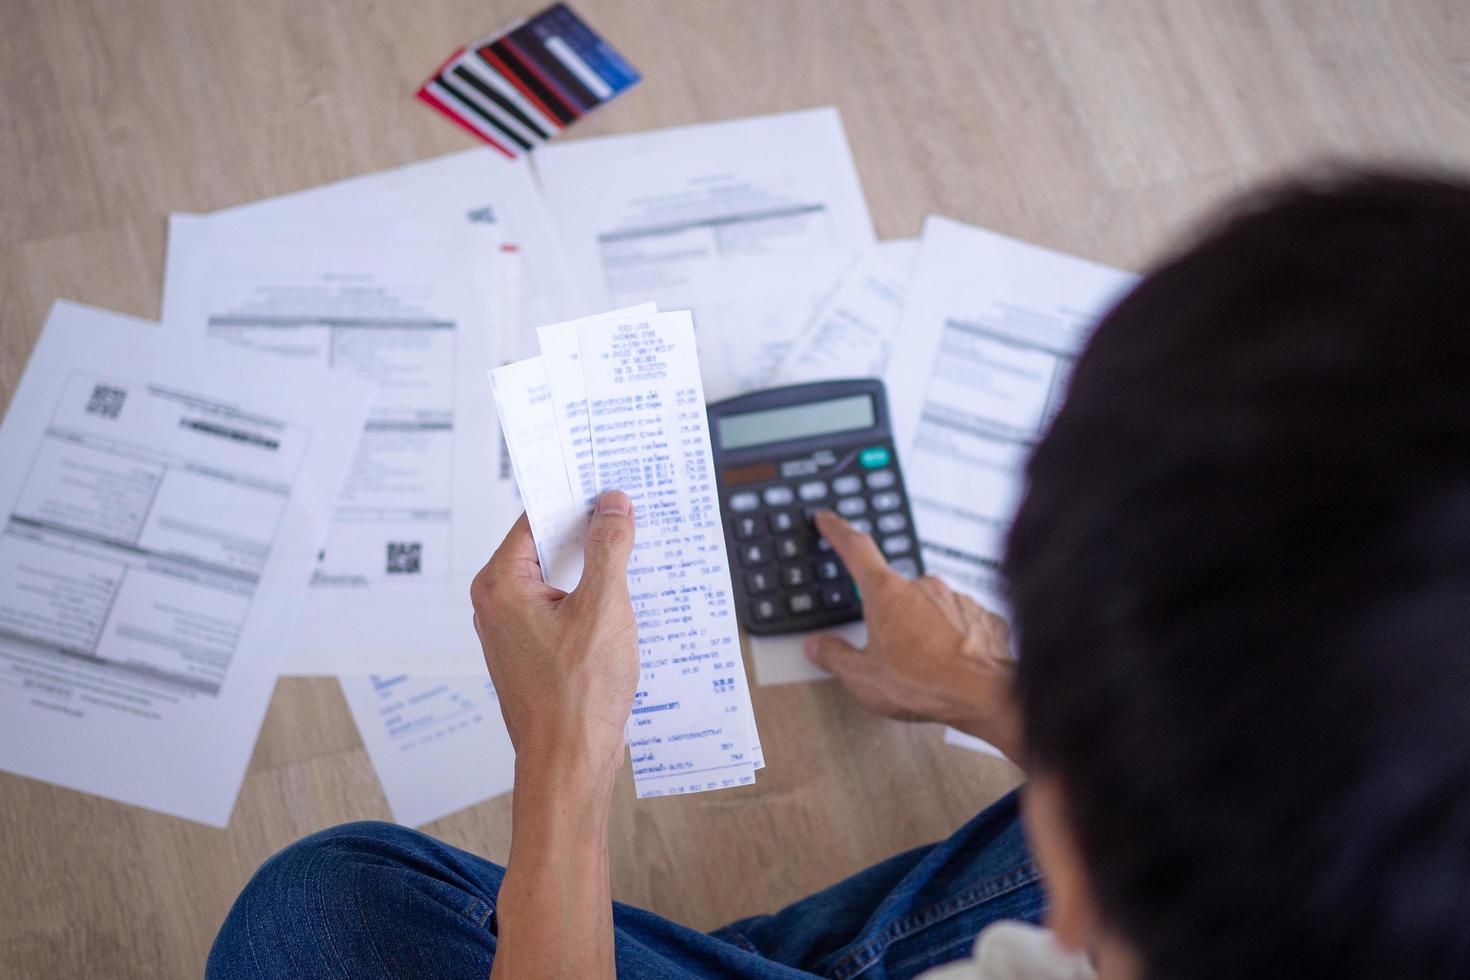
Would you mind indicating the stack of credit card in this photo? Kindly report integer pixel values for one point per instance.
(520, 87)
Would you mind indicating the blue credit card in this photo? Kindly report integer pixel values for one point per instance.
(578, 55)
(522, 86)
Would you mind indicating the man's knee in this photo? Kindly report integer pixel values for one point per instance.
(301, 910)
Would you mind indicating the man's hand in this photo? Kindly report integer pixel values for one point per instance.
(932, 655)
(565, 666)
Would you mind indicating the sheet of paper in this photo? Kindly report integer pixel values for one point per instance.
(474, 186)
(990, 332)
(960, 740)
(691, 728)
(640, 214)
(528, 423)
(852, 333)
(414, 307)
(848, 336)
(560, 358)
(163, 508)
(752, 307)
(438, 743)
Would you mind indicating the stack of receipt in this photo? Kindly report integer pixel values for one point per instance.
(615, 402)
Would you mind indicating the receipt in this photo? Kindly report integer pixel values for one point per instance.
(691, 728)
(543, 414)
(557, 518)
(569, 397)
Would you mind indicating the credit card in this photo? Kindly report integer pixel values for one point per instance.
(522, 85)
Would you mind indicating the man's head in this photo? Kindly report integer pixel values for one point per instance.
(1240, 579)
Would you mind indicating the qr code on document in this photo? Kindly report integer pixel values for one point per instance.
(404, 556)
(106, 401)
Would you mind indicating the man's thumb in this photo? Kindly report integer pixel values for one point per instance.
(832, 653)
(609, 542)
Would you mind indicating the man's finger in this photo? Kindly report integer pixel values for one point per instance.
(858, 551)
(609, 543)
(514, 564)
(834, 654)
(517, 553)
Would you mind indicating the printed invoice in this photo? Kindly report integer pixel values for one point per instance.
(639, 214)
(990, 332)
(851, 335)
(161, 519)
(473, 186)
(415, 307)
(438, 744)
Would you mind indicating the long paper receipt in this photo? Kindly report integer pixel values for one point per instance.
(692, 728)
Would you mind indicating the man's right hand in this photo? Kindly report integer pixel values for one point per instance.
(932, 654)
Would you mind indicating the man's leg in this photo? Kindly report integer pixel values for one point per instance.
(378, 900)
(369, 900)
(361, 900)
(911, 912)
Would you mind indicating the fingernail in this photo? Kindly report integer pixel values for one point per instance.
(614, 502)
(809, 647)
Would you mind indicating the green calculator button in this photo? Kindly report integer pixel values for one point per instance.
(874, 457)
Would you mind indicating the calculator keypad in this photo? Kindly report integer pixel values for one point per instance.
(792, 579)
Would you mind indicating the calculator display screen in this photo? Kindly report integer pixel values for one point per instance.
(797, 421)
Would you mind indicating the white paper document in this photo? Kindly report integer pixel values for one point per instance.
(851, 335)
(752, 308)
(691, 728)
(990, 333)
(640, 215)
(528, 422)
(163, 508)
(476, 186)
(438, 743)
(415, 308)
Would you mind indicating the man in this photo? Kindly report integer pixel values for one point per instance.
(1240, 580)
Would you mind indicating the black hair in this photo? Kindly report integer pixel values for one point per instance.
(1240, 581)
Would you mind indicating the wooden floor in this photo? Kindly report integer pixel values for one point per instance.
(1096, 126)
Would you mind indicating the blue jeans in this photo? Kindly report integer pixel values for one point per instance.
(378, 900)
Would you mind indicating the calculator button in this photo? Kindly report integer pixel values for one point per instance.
(862, 525)
(875, 457)
(852, 506)
(754, 553)
(746, 527)
(782, 521)
(789, 548)
(846, 484)
(794, 576)
(801, 602)
(899, 544)
(837, 596)
(759, 581)
(906, 567)
(743, 501)
(763, 610)
(812, 490)
(829, 569)
(888, 500)
(880, 479)
(889, 523)
(778, 496)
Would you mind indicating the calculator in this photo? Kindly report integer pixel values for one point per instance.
(783, 454)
